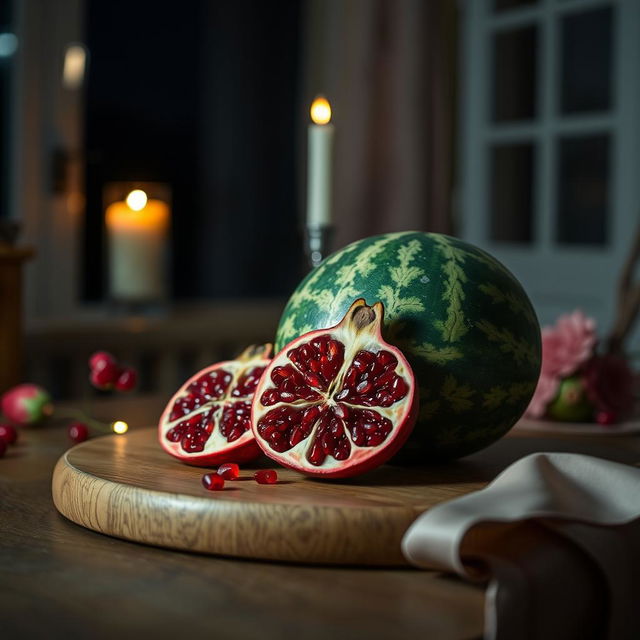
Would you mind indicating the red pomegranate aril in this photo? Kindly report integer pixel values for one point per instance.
(247, 384)
(266, 476)
(297, 436)
(212, 482)
(8, 433)
(235, 420)
(387, 359)
(194, 439)
(3, 447)
(229, 470)
(314, 381)
(78, 432)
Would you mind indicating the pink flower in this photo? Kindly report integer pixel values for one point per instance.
(568, 345)
(610, 384)
(545, 392)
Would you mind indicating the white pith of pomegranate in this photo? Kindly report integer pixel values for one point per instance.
(208, 420)
(336, 402)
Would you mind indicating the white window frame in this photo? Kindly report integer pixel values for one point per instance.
(557, 277)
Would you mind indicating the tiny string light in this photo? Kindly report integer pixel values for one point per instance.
(120, 427)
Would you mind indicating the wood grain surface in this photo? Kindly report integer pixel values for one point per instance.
(129, 488)
(60, 580)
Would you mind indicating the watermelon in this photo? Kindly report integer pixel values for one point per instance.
(462, 319)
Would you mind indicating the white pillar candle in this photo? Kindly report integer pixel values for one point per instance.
(320, 165)
(137, 232)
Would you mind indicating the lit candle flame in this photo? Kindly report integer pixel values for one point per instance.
(120, 427)
(137, 200)
(320, 110)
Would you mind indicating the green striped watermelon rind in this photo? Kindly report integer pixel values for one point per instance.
(463, 320)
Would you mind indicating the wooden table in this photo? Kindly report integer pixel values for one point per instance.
(60, 580)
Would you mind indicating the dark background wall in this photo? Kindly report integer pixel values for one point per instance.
(202, 95)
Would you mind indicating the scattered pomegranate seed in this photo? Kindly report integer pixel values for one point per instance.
(78, 432)
(104, 374)
(212, 482)
(8, 433)
(99, 358)
(3, 447)
(266, 476)
(229, 470)
(606, 418)
(127, 379)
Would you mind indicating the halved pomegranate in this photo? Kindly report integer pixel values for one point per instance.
(336, 402)
(208, 420)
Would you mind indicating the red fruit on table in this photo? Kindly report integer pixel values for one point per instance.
(208, 420)
(78, 432)
(127, 379)
(104, 375)
(336, 402)
(266, 476)
(212, 482)
(8, 433)
(99, 358)
(3, 448)
(26, 404)
(229, 470)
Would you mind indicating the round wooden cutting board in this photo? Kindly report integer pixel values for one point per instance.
(126, 486)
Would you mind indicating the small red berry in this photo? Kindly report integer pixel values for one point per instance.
(266, 476)
(3, 447)
(127, 379)
(606, 418)
(8, 433)
(99, 358)
(105, 374)
(229, 470)
(212, 482)
(78, 432)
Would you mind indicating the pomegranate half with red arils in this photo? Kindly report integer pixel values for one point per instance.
(208, 420)
(336, 402)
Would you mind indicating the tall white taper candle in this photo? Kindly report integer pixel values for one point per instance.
(320, 165)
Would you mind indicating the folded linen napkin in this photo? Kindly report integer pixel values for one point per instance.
(557, 538)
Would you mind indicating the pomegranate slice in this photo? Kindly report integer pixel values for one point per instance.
(208, 420)
(336, 402)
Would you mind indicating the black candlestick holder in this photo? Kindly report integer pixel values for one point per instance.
(318, 243)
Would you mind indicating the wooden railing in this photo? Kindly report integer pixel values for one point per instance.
(165, 349)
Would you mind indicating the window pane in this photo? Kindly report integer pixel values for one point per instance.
(514, 73)
(583, 190)
(511, 205)
(586, 61)
(501, 5)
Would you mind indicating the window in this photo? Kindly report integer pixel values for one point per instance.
(550, 144)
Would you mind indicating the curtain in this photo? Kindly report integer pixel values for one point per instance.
(387, 67)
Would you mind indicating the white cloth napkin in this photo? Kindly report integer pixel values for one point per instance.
(557, 538)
